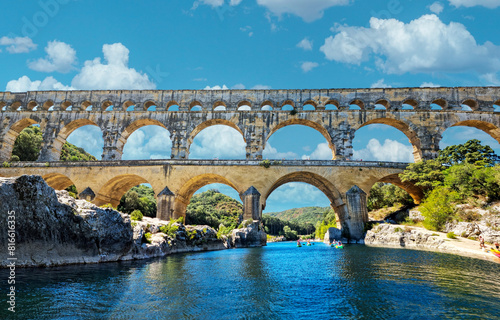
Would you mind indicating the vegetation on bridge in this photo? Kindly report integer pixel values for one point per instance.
(28, 144)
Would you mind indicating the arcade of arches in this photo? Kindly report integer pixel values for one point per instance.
(421, 114)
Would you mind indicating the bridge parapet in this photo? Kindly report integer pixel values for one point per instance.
(477, 98)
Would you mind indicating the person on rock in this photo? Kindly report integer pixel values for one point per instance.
(481, 242)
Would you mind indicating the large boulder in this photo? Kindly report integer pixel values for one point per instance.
(48, 232)
(251, 236)
(332, 234)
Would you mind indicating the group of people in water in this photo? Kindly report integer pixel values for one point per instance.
(336, 243)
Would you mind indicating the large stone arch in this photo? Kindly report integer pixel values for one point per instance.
(209, 123)
(485, 126)
(54, 154)
(132, 127)
(186, 191)
(9, 138)
(415, 192)
(114, 189)
(308, 123)
(405, 129)
(325, 186)
(57, 181)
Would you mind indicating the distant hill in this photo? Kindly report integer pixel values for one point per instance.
(301, 215)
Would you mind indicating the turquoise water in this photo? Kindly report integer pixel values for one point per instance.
(279, 281)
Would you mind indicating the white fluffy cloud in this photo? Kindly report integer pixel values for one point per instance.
(472, 3)
(150, 142)
(61, 57)
(18, 44)
(89, 138)
(380, 84)
(113, 75)
(308, 66)
(389, 151)
(429, 85)
(220, 142)
(322, 152)
(297, 192)
(309, 10)
(305, 44)
(423, 45)
(224, 87)
(272, 153)
(25, 84)
(216, 3)
(436, 7)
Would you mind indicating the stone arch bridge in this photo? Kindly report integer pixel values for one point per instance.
(345, 183)
(422, 114)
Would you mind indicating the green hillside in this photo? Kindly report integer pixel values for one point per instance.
(301, 215)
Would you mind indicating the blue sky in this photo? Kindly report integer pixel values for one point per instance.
(209, 44)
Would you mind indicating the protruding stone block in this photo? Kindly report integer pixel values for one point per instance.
(87, 194)
(357, 212)
(251, 204)
(165, 207)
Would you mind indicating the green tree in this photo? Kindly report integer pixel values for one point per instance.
(438, 208)
(471, 152)
(28, 143)
(386, 195)
(427, 174)
(140, 198)
(214, 208)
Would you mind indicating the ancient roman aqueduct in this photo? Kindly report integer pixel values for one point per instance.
(422, 114)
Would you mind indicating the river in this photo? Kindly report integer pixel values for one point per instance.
(279, 281)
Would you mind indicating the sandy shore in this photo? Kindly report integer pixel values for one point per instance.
(441, 243)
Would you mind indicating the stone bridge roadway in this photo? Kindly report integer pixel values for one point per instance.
(345, 183)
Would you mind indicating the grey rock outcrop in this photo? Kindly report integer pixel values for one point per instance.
(49, 232)
(250, 236)
(332, 234)
(397, 236)
(52, 228)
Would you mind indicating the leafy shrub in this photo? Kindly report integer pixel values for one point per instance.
(179, 220)
(191, 234)
(108, 206)
(148, 236)
(398, 229)
(169, 229)
(451, 235)
(136, 215)
(438, 208)
(224, 231)
(6, 164)
(265, 163)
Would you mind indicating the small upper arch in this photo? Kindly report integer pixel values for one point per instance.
(382, 104)
(66, 104)
(128, 105)
(410, 102)
(267, 105)
(195, 105)
(244, 105)
(441, 103)
(107, 105)
(357, 102)
(309, 105)
(471, 103)
(219, 106)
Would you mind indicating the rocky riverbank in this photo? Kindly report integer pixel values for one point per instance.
(51, 228)
(400, 236)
